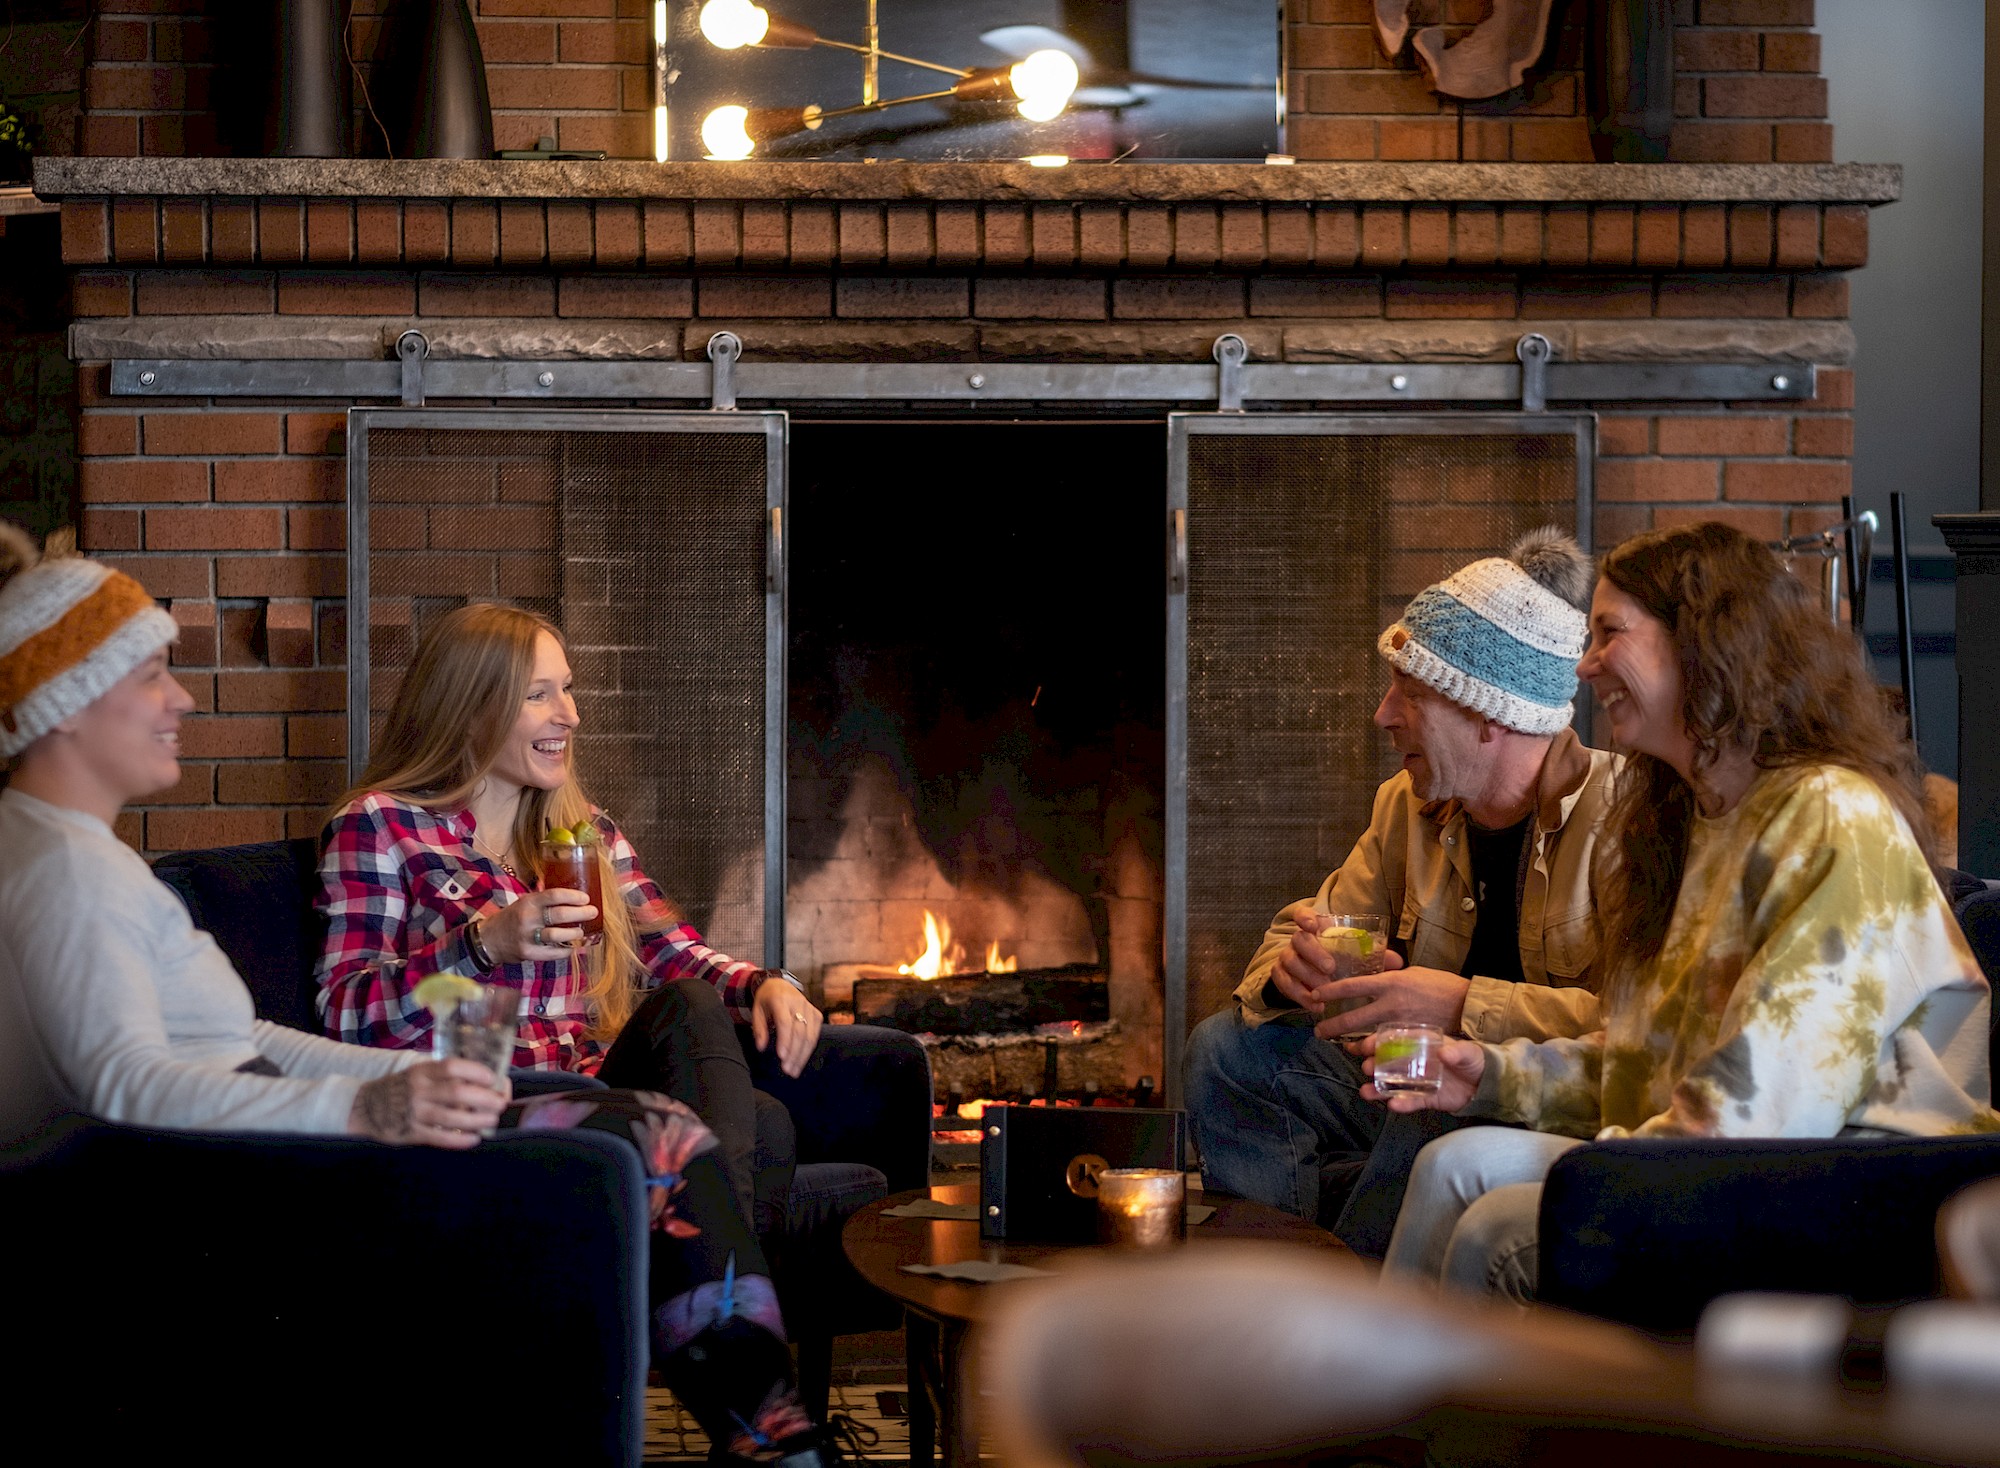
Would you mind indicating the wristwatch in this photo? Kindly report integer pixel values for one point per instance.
(788, 976)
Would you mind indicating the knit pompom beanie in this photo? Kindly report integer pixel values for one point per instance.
(1502, 636)
(69, 629)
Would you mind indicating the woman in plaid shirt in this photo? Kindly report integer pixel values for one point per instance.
(428, 868)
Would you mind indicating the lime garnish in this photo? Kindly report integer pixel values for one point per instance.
(441, 993)
(561, 836)
(1359, 939)
(586, 834)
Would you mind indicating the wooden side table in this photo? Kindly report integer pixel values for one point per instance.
(941, 1312)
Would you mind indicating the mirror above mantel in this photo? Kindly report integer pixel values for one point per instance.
(877, 80)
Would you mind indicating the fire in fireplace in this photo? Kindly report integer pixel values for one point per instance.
(977, 740)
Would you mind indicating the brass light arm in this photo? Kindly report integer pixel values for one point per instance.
(892, 56)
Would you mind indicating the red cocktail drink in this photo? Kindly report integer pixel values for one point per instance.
(578, 866)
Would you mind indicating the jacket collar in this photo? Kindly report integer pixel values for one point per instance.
(1565, 771)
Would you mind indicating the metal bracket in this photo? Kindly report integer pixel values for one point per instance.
(413, 347)
(1534, 351)
(1230, 352)
(723, 350)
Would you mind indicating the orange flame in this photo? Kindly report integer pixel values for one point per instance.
(941, 957)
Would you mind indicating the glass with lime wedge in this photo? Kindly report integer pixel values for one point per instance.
(1356, 941)
(1408, 1059)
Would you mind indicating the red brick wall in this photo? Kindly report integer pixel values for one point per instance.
(575, 70)
(1748, 88)
(231, 512)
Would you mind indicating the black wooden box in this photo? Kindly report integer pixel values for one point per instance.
(1038, 1165)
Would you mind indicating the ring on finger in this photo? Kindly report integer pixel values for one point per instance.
(536, 936)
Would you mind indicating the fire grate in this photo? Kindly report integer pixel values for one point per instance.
(653, 540)
(1297, 539)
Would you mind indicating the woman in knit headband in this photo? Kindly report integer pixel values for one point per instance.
(135, 1016)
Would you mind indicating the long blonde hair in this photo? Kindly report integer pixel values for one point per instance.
(458, 702)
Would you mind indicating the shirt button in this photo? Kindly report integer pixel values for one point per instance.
(1467, 903)
(542, 1006)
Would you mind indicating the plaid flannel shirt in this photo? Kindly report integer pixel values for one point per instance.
(400, 883)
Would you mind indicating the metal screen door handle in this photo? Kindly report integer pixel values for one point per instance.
(774, 549)
(1176, 551)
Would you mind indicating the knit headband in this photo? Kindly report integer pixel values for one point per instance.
(1495, 640)
(69, 629)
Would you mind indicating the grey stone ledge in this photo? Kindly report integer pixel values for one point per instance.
(1827, 343)
(364, 338)
(1137, 183)
(308, 338)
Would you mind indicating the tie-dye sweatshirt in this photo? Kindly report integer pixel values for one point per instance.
(1812, 981)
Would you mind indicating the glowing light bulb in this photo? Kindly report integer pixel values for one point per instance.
(725, 133)
(734, 24)
(1047, 160)
(1044, 81)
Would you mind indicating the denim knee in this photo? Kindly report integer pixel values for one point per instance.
(1493, 1249)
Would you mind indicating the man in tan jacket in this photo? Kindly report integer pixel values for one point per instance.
(1478, 855)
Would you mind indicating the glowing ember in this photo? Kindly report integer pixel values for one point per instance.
(941, 957)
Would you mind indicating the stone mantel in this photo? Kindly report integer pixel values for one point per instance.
(1137, 183)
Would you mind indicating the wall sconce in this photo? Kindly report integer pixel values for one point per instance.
(1040, 85)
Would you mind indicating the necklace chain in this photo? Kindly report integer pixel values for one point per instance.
(505, 865)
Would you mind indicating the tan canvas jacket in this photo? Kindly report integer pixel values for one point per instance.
(1413, 864)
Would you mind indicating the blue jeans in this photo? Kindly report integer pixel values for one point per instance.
(1470, 1222)
(1278, 1116)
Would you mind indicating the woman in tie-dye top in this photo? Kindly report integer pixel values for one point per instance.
(1787, 964)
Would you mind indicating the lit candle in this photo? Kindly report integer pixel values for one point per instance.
(1141, 1207)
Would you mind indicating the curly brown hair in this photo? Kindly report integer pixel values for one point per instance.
(1763, 668)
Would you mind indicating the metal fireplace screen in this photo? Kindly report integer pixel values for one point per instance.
(652, 540)
(1302, 538)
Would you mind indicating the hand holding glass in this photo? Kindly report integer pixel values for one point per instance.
(1409, 1059)
(1356, 942)
(570, 860)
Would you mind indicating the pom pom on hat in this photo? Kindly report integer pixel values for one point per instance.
(1502, 636)
(69, 629)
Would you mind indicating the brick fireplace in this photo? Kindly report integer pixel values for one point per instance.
(230, 508)
(1370, 251)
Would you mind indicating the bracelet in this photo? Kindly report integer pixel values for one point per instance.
(476, 946)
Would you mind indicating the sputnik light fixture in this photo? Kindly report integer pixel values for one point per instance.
(1039, 85)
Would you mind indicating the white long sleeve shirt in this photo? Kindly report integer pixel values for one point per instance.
(130, 1013)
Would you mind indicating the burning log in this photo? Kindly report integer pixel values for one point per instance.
(975, 1004)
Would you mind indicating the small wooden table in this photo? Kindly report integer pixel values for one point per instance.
(941, 1312)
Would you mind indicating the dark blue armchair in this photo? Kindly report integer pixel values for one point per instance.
(1648, 1232)
(349, 1291)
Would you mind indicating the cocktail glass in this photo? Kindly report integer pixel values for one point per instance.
(575, 865)
(1409, 1059)
(479, 1027)
(1356, 941)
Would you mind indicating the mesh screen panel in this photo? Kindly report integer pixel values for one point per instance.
(1301, 548)
(648, 549)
